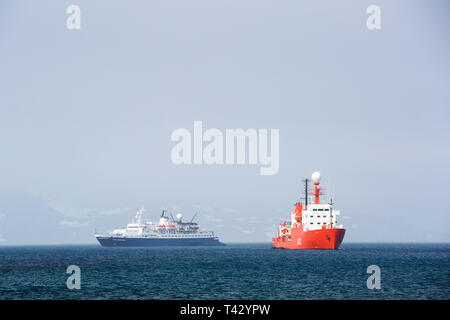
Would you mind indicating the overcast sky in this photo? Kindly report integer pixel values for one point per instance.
(86, 115)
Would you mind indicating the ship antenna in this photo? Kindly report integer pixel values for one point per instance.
(193, 217)
(332, 194)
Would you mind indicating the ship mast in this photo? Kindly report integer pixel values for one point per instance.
(138, 217)
(317, 189)
(306, 181)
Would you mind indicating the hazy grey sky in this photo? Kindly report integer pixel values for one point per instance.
(86, 115)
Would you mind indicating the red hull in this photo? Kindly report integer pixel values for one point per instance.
(329, 239)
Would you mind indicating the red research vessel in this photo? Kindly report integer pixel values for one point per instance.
(312, 225)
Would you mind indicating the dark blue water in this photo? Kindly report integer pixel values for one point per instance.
(246, 271)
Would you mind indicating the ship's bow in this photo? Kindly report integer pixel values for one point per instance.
(337, 236)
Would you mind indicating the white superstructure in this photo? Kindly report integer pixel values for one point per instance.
(318, 215)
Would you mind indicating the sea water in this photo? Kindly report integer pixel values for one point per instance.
(236, 271)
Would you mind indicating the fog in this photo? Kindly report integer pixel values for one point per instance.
(86, 116)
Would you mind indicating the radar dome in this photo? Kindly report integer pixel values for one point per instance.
(316, 176)
(179, 216)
